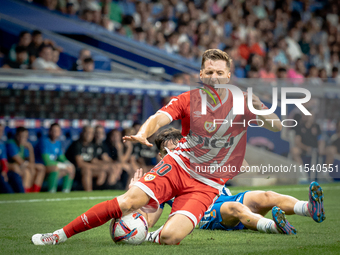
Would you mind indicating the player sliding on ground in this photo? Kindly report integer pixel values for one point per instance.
(176, 175)
(246, 210)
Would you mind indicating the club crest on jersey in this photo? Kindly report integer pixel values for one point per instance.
(149, 177)
(209, 126)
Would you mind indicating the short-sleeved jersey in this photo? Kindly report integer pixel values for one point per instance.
(48, 152)
(100, 150)
(112, 151)
(13, 149)
(87, 152)
(206, 145)
(149, 154)
(3, 152)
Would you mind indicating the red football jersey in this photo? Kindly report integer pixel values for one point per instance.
(211, 151)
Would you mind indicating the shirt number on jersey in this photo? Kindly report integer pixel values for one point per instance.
(161, 169)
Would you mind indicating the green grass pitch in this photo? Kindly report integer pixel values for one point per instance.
(22, 215)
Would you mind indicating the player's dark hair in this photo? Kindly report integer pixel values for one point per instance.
(20, 130)
(43, 46)
(98, 126)
(22, 33)
(169, 134)
(54, 125)
(36, 32)
(88, 60)
(215, 54)
(83, 132)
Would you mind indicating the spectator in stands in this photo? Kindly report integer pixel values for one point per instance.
(45, 60)
(293, 48)
(113, 169)
(335, 77)
(281, 73)
(21, 57)
(250, 47)
(56, 55)
(20, 155)
(50, 4)
(129, 26)
(33, 48)
(5, 187)
(122, 153)
(171, 46)
(297, 75)
(82, 153)
(333, 150)
(88, 65)
(140, 35)
(50, 153)
(24, 41)
(87, 15)
(78, 65)
(307, 139)
(268, 72)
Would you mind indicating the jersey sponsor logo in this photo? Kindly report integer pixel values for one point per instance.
(213, 213)
(209, 126)
(197, 114)
(149, 177)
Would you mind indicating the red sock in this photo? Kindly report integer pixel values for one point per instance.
(36, 188)
(95, 217)
(28, 190)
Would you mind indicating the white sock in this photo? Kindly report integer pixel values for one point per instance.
(265, 225)
(301, 208)
(153, 237)
(61, 234)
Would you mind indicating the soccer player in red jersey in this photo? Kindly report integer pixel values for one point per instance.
(203, 144)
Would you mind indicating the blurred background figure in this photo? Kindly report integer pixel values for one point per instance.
(49, 152)
(114, 169)
(21, 159)
(83, 54)
(82, 153)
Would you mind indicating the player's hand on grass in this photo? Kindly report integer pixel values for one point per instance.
(137, 138)
(136, 177)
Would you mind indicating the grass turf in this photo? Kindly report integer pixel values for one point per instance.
(20, 219)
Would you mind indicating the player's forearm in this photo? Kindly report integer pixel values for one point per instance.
(271, 122)
(152, 124)
(17, 159)
(31, 157)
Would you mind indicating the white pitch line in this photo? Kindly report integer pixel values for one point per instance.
(111, 197)
(55, 199)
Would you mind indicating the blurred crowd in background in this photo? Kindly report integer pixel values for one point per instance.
(265, 38)
(94, 161)
(32, 51)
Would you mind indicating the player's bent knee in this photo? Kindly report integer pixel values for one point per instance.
(236, 208)
(170, 237)
(132, 200)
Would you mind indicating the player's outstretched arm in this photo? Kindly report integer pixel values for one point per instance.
(151, 125)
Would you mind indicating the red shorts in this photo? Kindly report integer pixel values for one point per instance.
(167, 180)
